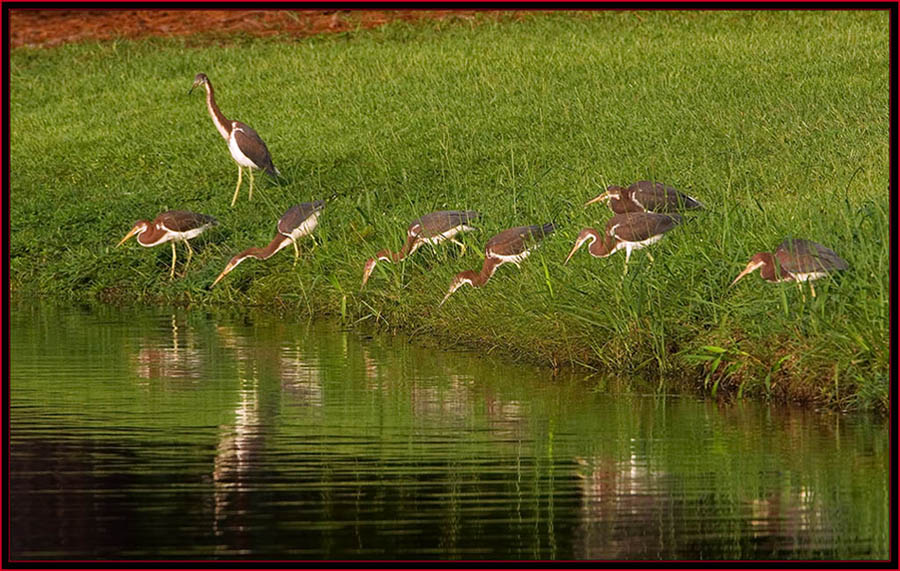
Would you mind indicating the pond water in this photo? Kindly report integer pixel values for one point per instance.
(172, 434)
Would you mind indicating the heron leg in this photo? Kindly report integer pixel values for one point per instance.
(172, 273)
(250, 170)
(190, 253)
(812, 289)
(238, 187)
(462, 247)
(627, 255)
(649, 256)
(800, 287)
(296, 251)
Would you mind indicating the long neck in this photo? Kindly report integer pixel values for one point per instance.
(388, 256)
(770, 270)
(487, 270)
(277, 243)
(151, 236)
(409, 247)
(601, 246)
(222, 124)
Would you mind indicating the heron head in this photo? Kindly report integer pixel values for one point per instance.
(199, 79)
(459, 280)
(139, 227)
(757, 261)
(588, 235)
(367, 270)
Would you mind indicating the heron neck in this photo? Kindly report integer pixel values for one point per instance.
(222, 124)
(277, 243)
(152, 236)
(392, 257)
(601, 246)
(487, 270)
(770, 270)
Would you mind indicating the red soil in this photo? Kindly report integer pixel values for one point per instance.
(53, 27)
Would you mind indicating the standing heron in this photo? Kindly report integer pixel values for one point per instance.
(630, 232)
(796, 260)
(299, 221)
(646, 196)
(246, 147)
(172, 226)
(433, 229)
(512, 245)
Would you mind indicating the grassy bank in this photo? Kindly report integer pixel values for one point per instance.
(778, 121)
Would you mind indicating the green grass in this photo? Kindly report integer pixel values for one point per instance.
(778, 121)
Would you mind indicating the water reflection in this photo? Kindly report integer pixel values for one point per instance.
(162, 355)
(237, 456)
(295, 441)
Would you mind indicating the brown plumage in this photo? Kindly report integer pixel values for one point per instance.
(171, 226)
(433, 228)
(631, 231)
(245, 145)
(300, 220)
(646, 196)
(796, 260)
(512, 245)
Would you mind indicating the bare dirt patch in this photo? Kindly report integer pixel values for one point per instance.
(41, 28)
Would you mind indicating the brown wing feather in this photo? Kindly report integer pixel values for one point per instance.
(249, 142)
(182, 220)
(659, 197)
(439, 222)
(297, 215)
(515, 240)
(639, 226)
(804, 256)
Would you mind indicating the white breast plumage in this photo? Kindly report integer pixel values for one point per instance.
(236, 152)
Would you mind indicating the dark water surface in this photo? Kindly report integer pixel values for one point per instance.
(150, 433)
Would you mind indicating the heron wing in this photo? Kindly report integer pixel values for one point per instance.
(640, 226)
(183, 221)
(436, 223)
(799, 256)
(253, 147)
(659, 197)
(297, 215)
(516, 240)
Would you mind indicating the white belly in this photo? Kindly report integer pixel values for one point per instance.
(239, 157)
(809, 276)
(189, 234)
(516, 259)
(435, 240)
(632, 246)
(307, 227)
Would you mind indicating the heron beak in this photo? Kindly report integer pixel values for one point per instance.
(578, 243)
(367, 271)
(604, 196)
(575, 249)
(446, 297)
(453, 287)
(133, 231)
(225, 272)
(751, 267)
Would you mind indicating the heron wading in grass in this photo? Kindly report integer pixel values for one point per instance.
(172, 226)
(245, 145)
(646, 196)
(629, 232)
(433, 228)
(510, 246)
(796, 260)
(299, 221)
